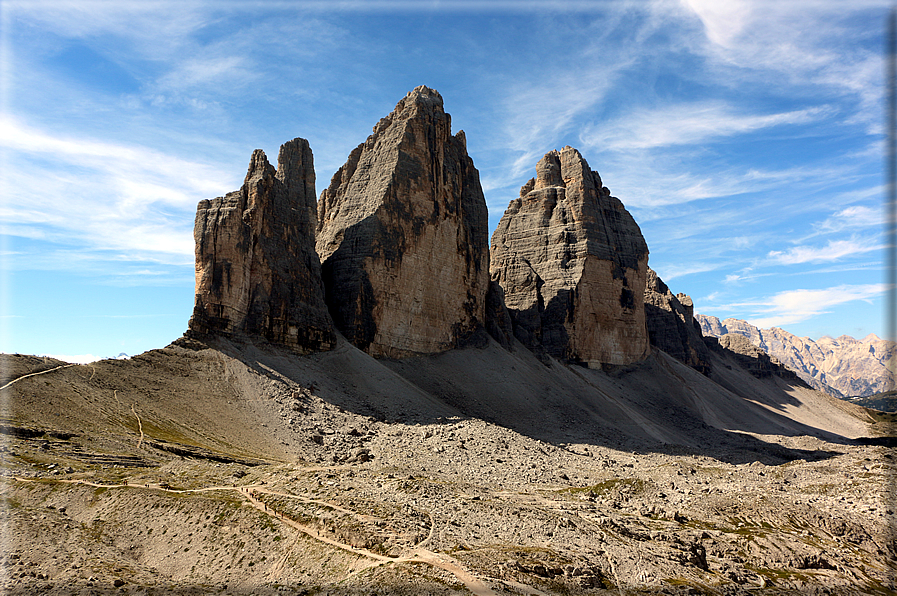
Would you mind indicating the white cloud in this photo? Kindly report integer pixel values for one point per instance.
(671, 272)
(641, 184)
(794, 306)
(834, 250)
(538, 114)
(809, 44)
(100, 194)
(687, 124)
(151, 24)
(855, 216)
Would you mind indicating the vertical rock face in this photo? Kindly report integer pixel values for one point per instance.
(672, 326)
(257, 272)
(572, 263)
(403, 235)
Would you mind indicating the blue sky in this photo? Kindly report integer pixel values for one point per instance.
(746, 138)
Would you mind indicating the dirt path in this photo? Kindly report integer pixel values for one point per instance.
(418, 555)
(43, 372)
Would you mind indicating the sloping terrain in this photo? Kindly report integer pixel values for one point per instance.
(242, 468)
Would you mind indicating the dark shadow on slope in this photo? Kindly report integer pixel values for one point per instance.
(657, 406)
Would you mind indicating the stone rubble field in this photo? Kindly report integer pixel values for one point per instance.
(383, 498)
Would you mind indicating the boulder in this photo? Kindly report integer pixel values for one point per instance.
(257, 272)
(402, 234)
(572, 263)
(671, 324)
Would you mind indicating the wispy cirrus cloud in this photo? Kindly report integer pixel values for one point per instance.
(688, 124)
(849, 218)
(140, 172)
(808, 44)
(144, 206)
(795, 306)
(670, 272)
(834, 250)
(537, 115)
(642, 184)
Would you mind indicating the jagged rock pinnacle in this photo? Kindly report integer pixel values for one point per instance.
(403, 235)
(572, 263)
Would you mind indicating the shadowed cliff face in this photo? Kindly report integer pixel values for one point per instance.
(572, 263)
(257, 272)
(402, 236)
(672, 326)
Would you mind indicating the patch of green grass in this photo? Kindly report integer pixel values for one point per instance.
(772, 574)
(9, 502)
(602, 488)
(686, 583)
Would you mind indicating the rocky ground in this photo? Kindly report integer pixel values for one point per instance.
(109, 490)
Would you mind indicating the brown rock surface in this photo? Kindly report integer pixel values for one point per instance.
(572, 263)
(672, 326)
(842, 367)
(257, 272)
(403, 235)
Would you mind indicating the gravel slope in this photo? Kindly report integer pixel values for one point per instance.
(475, 471)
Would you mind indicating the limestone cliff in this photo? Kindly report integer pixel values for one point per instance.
(257, 272)
(403, 235)
(572, 263)
(672, 326)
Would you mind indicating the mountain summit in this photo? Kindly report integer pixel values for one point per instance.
(843, 367)
(572, 263)
(402, 234)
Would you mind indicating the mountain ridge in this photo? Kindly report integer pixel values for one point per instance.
(843, 366)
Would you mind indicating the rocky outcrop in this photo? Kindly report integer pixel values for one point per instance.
(672, 326)
(572, 263)
(257, 272)
(403, 236)
(751, 358)
(842, 367)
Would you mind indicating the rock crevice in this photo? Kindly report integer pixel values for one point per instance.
(672, 326)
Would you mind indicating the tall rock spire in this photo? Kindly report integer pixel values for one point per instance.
(572, 263)
(257, 272)
(403, 235)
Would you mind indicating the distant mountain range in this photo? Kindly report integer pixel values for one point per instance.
(843, 367)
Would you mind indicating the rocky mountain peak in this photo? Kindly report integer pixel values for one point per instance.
(560, 167)
(403, 235)
(572, 264)
(842, 367)
(256, 269)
